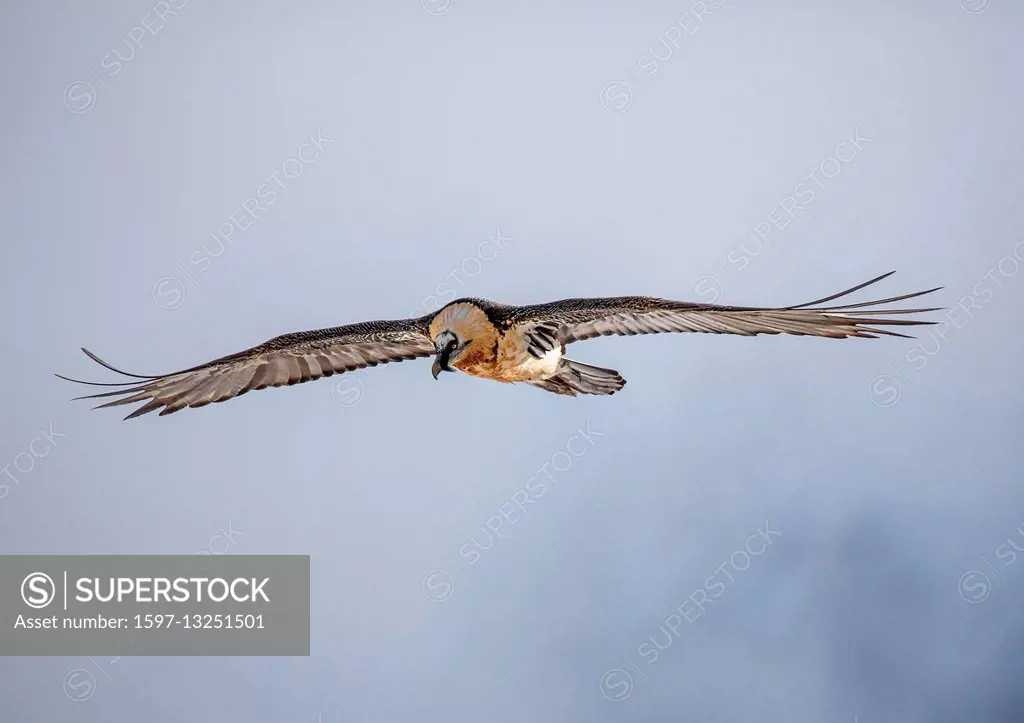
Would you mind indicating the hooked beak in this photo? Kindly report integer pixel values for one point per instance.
(440, 363)
(445, 346)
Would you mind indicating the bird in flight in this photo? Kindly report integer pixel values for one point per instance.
(494, 341)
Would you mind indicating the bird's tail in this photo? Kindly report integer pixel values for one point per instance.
(573, 377)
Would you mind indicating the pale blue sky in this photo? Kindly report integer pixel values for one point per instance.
(890, 468)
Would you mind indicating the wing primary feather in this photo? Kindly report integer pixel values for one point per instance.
(858, 287)
(114, 393)
(150, 406)
(890, 300)
(287, 359)
(94, 384)
(887, 311)
(580, 319)
(115, 369)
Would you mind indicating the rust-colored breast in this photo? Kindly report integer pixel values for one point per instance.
(492, 354)
(515, 363)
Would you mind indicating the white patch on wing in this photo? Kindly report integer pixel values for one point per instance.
(545, 366)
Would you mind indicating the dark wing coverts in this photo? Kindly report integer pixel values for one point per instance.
(284, 360)
(578, 319)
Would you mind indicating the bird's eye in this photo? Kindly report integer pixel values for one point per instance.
(452, 344)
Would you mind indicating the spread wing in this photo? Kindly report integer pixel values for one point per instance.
(569, 320)
(284, 360)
